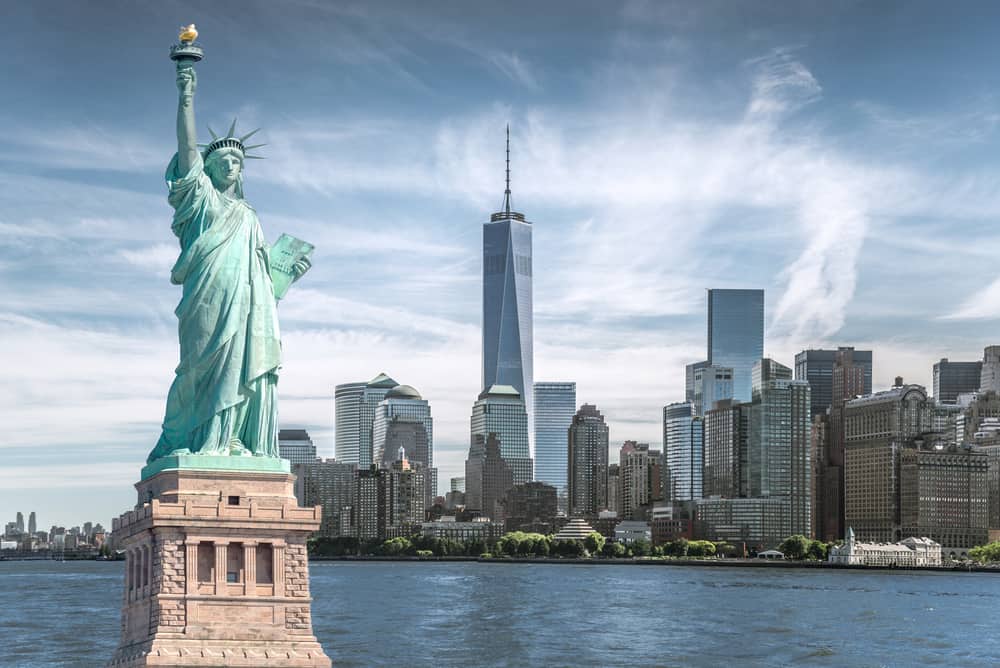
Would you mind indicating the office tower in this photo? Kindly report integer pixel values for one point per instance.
(816, 367)
(683, 441)
(366, 504)
(736, 334)
(507, 306)
(944, 494)
(849, 379)
(615, 489)
(726, 432)
(296, 446)
(711, 384)
(458, 484)
(403, 420)
(330, 484)
(403, 497)
(981, 410)
(954, 378)
(488, 476)
(639, 479)
(500, 411)
(821, 504)
(555, 405)
(989, 381)
(531, 508)
(20, 522)
(32, 526)
(587, 458)
(689, 372)
(876, 428)
(354, 413)
(778, 461)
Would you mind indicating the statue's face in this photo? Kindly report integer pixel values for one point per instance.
(224, 167)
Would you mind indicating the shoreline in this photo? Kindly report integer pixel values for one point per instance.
(711, 563)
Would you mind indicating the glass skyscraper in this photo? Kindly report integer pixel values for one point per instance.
(736, 334)
(711, 384)
(507, 308)
(354, 413)
(500, 411)
(296, 446)
(555, 405)
(683, 447)
(816, 366)
(403, 420)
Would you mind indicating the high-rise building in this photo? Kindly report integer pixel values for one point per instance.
(944, 495)
(403, 420)
(507, 301)
(726, 431)
(488, 477)
(332, 485)
(587, 458)
(736, 334)
(531, 507)
(778, 463)
(500, 411)
(354, 416)
(366, 504)
(403, 497)
(711, 384)
(683, 449)
(954, 378)
(816, 367)
(20, 522)
(989, 381)
(458, 484)
(555, 405)
(296, 446)
(615, 490)
(32, 526)
(876, 428)
(689, 372)
(639, 479)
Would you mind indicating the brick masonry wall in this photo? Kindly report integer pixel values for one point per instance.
(298, 619)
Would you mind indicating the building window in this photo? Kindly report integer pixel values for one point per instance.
(234, 500)
(234, 562)
(265, 563)
(206, 562)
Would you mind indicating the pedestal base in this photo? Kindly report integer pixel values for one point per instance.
(217, 573)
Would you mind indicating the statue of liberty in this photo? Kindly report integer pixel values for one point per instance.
(223, 400)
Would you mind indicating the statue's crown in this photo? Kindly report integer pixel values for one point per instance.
(231, 140)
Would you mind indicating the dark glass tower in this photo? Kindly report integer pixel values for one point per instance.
(736, 334)
(816, 366)
(507, 310)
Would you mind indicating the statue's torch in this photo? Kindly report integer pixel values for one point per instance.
(186, 52)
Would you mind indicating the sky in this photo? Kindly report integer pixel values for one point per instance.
(842, 156)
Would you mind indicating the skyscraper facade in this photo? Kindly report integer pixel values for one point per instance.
(403, 420)
(816, 367)
(989, 381)
(587, 458)
(507, 301)
(736, 334)
(683, 449)
(555, 405)
(689, 372)
(954, 378)
(711, 384)
(488, 477)
(726, 432)
(330, 484)
(639, 471)
(779, 462)
(296, 446)
(501, 411)
(32, 526)
(354, 414)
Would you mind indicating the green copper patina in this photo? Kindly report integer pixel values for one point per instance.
(222, 409)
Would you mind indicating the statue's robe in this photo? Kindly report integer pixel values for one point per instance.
(224, 395)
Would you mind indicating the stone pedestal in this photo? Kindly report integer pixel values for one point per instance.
(217, 572)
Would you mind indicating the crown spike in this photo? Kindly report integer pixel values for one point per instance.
(254, 146)
(254, 157)
(232, 129)
(247, 136)
(212, 132)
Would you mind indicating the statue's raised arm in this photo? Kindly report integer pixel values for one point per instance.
(187, 143)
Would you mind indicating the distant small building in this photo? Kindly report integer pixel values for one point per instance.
(575, 529)
(630, 531)
(447, 527)
(908, 552)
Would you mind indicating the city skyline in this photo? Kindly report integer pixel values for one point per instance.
(783, 163)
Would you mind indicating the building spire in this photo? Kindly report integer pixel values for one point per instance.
(506, 193)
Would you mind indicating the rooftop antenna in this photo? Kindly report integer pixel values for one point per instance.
(506, 193)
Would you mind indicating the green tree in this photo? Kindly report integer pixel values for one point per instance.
(701, 548)
(395, 547)
(594, 542)
(676, 548)
(986, 554)
(794, 547)
(640, 548)
(818, 550)
(568, 548)
(613, 550)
